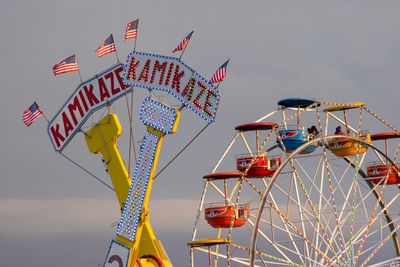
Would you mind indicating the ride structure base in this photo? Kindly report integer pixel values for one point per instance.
(135, 235)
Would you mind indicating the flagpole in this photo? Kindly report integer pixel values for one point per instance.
(116, 51)
(116, 54)
(44, 116)
(137, 34)
(131, 108)
(183, 51)
(130, 114)
(79, 71)
(80, 76)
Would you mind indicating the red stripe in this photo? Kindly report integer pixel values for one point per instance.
(63, 68)
(218, 76)
(29, 117)
(104, 50)
(182, 45)
(131, 34)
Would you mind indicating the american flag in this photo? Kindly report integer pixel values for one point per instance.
(31, 114)
(131, 30)
(183, 43)
(67, 65)
(107, 47)
(219, 75)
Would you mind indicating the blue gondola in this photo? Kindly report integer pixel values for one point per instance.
(292, 138)
(297, 103)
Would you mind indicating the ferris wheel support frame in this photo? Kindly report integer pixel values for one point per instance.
(265, 195)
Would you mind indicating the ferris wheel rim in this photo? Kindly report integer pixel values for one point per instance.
(315, 141)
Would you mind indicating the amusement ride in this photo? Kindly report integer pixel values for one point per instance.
(308, 184)
(173, 87)
(312, 183)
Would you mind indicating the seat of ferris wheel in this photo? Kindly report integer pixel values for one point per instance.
(292, 137)
(380, 172)
(297, 102)
(387, 263)
(222, 175)
(223, 215)
(384, 136)
(255, 126)
(208, 242)
(339, 107)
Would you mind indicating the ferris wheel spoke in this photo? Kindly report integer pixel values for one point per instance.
(213, 185)
(225, 152)
(313, 186)
(262, 260)
(380, 245)
(235, 188)
(379, 118)
(310, 203)
(286, 223)
(363, 229)
(282, 217)
(294, 201)
(353, 210)
(201, 204)
(342, 212)
(245, 143)
(301, 234)
(372, 234)
(315, 174)
(271, 258)
(396, 153)
(371, 221)
(363, 199)
(307, 213)
(268, 115)
(339, 182)
(332, 190)
(275, 245)
(321, 196)
(300, 212)
(220, 255)
(252, 185)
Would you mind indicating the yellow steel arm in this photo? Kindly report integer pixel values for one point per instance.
(101, 138)
(148, 243)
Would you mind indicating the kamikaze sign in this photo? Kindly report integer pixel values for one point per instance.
(169, 74)
(91, 95)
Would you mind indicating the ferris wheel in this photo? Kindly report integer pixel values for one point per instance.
(312, 183)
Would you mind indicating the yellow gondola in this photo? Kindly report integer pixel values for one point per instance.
(343, 147)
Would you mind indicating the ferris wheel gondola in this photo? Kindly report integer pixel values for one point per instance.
(383, 171)
(291, 137)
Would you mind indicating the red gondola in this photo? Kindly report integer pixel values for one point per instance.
(379, 171)
(223, 216)
(260, 166)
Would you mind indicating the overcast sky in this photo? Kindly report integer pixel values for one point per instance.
(54, 214)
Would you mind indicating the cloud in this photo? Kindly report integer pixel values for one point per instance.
(41, 217)
(50, 216)
(46, 228)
